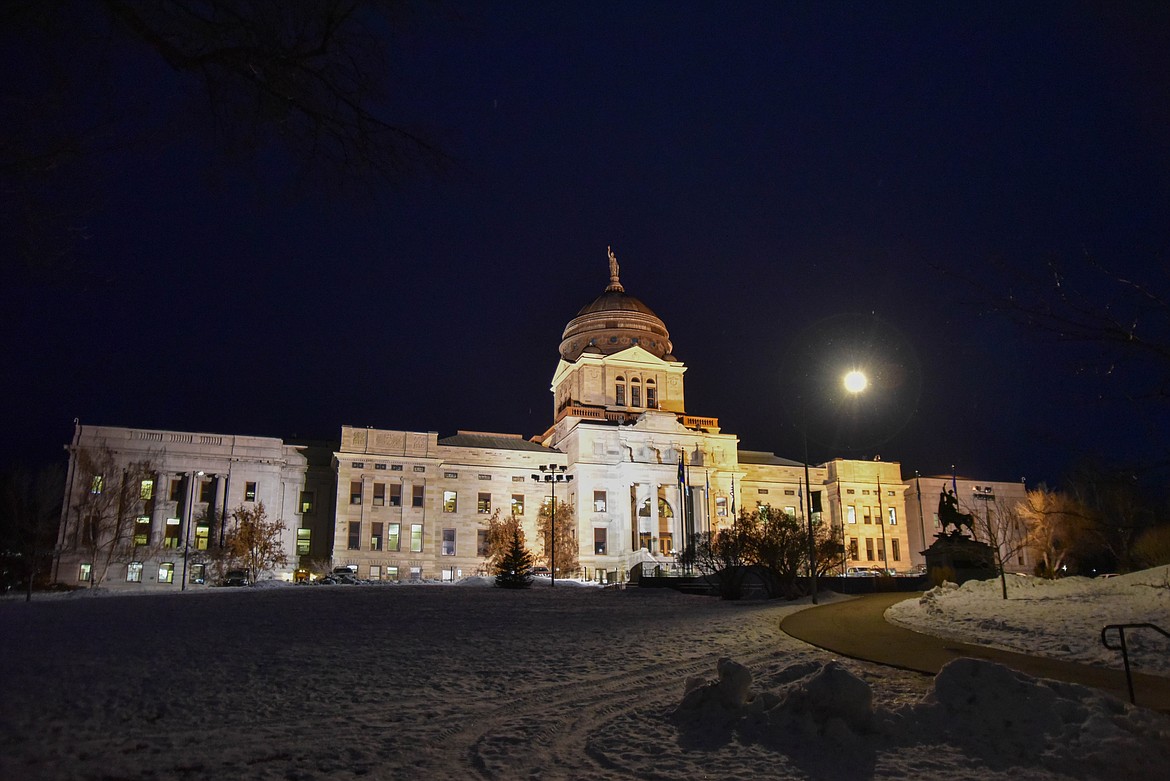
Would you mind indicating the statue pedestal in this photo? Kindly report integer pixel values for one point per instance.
(956, 553)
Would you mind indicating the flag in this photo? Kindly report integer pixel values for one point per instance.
(733, 496)
(682, 479)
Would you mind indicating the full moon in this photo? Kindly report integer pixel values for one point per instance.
(855, 381)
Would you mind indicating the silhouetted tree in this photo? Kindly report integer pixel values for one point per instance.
(111, 498)
(305, 81)
(30, 511)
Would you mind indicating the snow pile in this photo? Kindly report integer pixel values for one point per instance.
(983, 709)
(1057, 618)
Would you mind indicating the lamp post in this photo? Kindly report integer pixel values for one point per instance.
(552, 474)
(812, 545)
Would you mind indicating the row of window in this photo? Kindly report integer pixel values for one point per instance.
(868, 517)
(635, 392)
(384, 536)
(146, 489)
(895, 551)
(387, 537)
(378, 465)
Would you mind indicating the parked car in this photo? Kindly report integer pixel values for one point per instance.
(860, 572)
(236, 577)
(541, 572)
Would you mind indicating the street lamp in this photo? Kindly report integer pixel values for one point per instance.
(552, 474)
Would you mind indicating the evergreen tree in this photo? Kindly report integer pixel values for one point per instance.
(514, 568)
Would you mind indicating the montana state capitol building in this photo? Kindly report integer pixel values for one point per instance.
(640, 475)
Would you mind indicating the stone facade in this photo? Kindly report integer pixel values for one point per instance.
(991, 503)
(142, 507)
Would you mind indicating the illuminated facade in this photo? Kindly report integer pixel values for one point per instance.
(642, 476)
(411, 505)
(142, 507)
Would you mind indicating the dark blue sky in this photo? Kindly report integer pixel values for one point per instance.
(761, 170)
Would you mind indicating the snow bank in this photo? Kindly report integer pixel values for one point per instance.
(1057, 618)
(981, 708)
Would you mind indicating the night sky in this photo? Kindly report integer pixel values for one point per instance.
(763, 171)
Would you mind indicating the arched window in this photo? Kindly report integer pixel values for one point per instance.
(651, 395)
(664, 509)
(635, 392)
(619, 395)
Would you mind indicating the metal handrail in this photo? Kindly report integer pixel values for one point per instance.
(1125, 649)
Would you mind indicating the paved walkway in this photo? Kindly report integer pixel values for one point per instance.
(857, 628)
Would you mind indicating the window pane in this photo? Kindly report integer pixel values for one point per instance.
(448, 542)
(450, 501)
(517, 504)
(484, 503)
(415, 537)
(392, 536)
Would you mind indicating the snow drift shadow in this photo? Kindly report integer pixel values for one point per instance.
(822, 718)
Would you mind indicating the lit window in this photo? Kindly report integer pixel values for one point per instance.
(790, 511)
(171, 533)
(448, 542)
(134, 572)
(304, 541)
(450, 501)
(447, 575)
(85, 573)
(202, 534)
(392, 573)
(146, 490)
(391, 536)
(416, 573)
(484, 503)
(376, 536)
(96, 484)
(599, 502)
(893, 517)
(355, 492)
(599, 541)
(517, 504)
(307, 502)
(415, 537)
(721, 505)
(354, 541)
(166, 572)
(142, 530)
(375, 572)
(198, 573)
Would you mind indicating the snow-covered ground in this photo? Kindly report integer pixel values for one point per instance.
(449, 682)
(1057, 618)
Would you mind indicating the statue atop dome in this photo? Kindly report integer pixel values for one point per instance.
(614, 282)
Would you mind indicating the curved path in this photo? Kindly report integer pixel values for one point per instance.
(857, 628)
